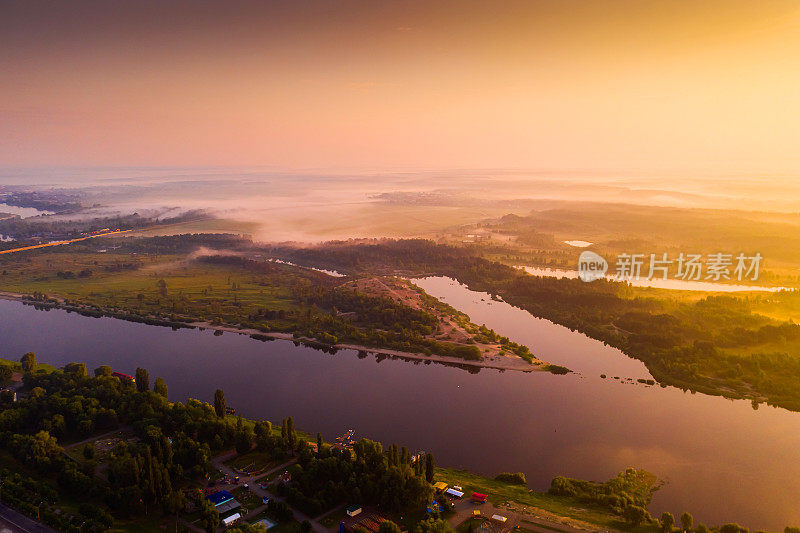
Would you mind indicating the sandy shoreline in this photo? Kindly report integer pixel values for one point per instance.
(496, 362)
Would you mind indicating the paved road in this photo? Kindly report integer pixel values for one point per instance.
(14, 522)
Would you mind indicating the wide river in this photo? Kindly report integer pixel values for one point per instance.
(721, 459)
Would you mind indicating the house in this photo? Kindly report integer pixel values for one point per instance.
(230, 520)
(228, 506)
(353, 510)
(219, 497)
(499, 518)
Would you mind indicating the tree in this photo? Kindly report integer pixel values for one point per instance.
(28, 362)
(686, 522)
(320, 442)
(219, 403)
(209, 516)
(305, 526)
(162, 287)
(429, 468)
(667, 521)
(387, 526)
(142, 380)
(512, 478)
(103, 370)
(701, 528)
(262, 431)
(635, 515)
(291, 434)
(5, 373)
(76, 369)
(160, 388)
(244, 441)
(433, 525)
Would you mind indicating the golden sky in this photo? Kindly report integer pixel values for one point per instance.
(635, 85)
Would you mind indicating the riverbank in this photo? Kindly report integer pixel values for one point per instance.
(493, 362)
(496, 362)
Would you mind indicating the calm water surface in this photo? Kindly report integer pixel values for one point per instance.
(722, 460)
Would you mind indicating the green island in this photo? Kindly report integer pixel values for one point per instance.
(108, 452)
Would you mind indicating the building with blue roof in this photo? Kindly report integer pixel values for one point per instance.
(219, 497)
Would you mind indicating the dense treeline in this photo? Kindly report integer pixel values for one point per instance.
(378, 255)
(174, 444)
(367, 473)
(25, 229)
(172, 450)
(628, 494)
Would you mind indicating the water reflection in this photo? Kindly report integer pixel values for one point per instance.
(722, 460)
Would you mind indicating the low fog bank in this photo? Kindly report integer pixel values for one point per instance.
(311, 207)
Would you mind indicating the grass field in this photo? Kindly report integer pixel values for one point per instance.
(521, 498)
(154, 285)
(254, 461)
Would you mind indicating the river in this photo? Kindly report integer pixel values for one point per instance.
(721, 460)
(658, 283)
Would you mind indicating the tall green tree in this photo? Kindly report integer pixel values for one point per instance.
(219, 403)
(635, 515)
(28, 362)
(160, 388)
(291, 434)
(76, 369)
(103, 370)
(262, 431)
(667, 522)
(686, 522)
(142, 380)
(430, 467)
(209, 516)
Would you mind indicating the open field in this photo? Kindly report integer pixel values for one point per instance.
(519, 498)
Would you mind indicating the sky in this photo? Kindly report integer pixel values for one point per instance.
(677, 87)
